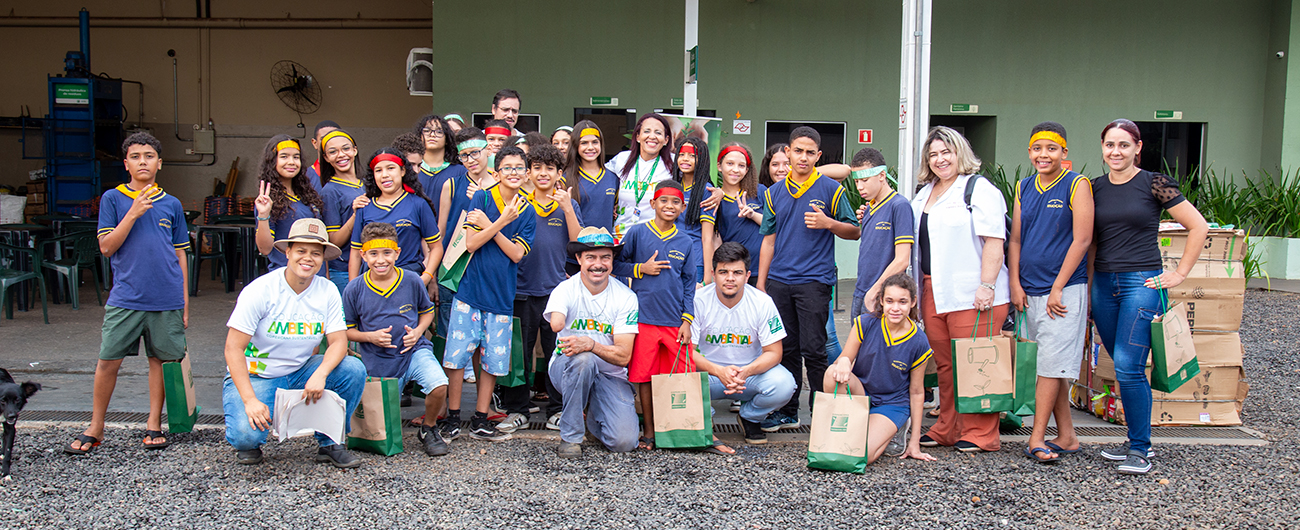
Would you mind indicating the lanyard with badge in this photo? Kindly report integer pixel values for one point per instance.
(641, 187)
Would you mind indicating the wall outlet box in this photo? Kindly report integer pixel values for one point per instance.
(205, 142)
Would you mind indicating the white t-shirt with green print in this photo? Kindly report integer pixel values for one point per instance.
(599, 316)
(285, 326)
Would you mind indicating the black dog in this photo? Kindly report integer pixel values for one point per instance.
(13, 397)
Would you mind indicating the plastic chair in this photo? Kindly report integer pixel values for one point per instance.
(195, 257)
(85, 252)
(12, 277)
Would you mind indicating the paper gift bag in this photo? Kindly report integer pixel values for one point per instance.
(682, 409)
(837, 439)
(377, 422)
(178, 389)
(1026, 372)
(1172, 352)
(456, 258)
(517, 376)
(983, 372)
(931, 374)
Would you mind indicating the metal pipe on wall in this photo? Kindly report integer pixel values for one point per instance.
(219, 23)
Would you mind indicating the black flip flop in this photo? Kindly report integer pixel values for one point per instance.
(646, 442)
(154, 435)
(83, 439)
(1058, 450)
(714, 449)
(1032, 454)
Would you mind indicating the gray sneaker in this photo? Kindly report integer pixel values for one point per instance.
(512, 422)
(569, 450)
(337, 455)
(1120, 453)
(1135, 464)
(432, 440)
(898, 444)
(553, 422)
(250, 457)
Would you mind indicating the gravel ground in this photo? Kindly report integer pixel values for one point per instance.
(521, 483)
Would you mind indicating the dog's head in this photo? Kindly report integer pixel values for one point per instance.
(13, 397)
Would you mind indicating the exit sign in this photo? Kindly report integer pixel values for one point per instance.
(1169, 114)
(964, 108)
(677, 102)
(603, 101)
(864, 136)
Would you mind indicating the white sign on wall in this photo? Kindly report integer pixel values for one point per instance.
(741, 127)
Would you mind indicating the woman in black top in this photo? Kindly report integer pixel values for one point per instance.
(1128, 276)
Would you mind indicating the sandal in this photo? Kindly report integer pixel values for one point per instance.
(154, 435)
(1061, 451)
(83, 439)
(416, 422)
(716, 448)
(1033, 455)
(646, 442)
(934, 412)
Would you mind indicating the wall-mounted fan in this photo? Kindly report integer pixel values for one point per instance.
(296, 87)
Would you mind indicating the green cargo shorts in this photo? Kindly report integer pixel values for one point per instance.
(163, 333)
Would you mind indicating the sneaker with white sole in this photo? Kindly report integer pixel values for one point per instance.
(553, 422)
(898, 444)
(480, 429)
(735, 406)
(1120, 453)
(778, 421)
(432, 440)
(450, 430)
(513, 422)
(1135, 464)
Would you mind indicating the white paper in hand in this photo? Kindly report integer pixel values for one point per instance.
(294, 417)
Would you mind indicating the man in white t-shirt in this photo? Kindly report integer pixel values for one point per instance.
(276, 325)
(596, 323)
(738, 332)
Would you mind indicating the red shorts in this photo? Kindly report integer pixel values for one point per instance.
(654, 351)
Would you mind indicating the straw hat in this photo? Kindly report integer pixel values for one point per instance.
(309, 230)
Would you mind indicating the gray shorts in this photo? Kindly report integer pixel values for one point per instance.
(1061, 339)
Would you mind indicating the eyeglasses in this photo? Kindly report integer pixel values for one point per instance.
(433, 133)
(511, 170)
(508, 110)
(466, 157)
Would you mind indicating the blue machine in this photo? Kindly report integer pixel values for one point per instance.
(83, 132)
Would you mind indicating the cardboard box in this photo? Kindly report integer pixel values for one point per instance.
(1197, 412)
(1214, 314)
(1220, 244)
(1214, 383)
(1214, 292)
(1205, 268)
(1218, 349)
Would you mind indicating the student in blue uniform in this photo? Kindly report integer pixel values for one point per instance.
(142, 231)
(657, 257)
(501, 227)
(342, 194)
(387, 311)
(397, 199)
(313, 171)
(558, 223)
(589, 183)
(454, 197)
(284, 196)
(1051, 230)
(804, 214)
(886, 221)
(888, 352)
(439, 161)
(693, 159)
(738, 216)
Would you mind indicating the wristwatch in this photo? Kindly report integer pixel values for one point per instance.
(988, 286)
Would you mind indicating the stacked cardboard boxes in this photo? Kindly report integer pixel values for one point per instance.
(1214, 293)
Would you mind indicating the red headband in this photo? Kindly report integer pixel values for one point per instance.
(497, 130)
(669, 190)
(735, 149)
(386, 157)
(686, 148)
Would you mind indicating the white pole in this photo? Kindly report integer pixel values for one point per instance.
(914, 91)
(690, 96)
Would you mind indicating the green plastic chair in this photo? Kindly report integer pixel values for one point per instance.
(84, 247)
(11, 277)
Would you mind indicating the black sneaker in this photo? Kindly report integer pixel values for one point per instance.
(1135, 464)
(338, 455)
(449, 429)
(927, 441)
(250, 457)
(753, 432)
(481, 429)
(967, 447)
(1120, 453)
(406, 399)
(432, 440)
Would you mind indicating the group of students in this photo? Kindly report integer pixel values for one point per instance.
(645, 264)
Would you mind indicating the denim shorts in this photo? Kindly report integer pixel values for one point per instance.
(425, 370)
(470, 328)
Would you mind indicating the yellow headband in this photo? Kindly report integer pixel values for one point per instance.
(335, 134)
(589, 132)
(287, 144)
(1047, 135)
(379, 243)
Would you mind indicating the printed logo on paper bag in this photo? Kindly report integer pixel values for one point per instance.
(678, 400)
(839, 422)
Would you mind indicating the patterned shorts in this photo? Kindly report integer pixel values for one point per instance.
(470, 328)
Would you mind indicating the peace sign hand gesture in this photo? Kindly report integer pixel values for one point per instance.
(142, 202)
(262, 205)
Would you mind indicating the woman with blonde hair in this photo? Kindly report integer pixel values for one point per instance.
(959, 266)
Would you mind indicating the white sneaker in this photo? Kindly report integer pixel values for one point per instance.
(898, 444)
(735, 405)
(512, 422)
(469, 377)
(553, 423)
(934, 404)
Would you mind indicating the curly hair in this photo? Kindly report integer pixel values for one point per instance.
(449, 136)
(409, 144)
(142, 138)
(410, 178)
(905, 281)
(302, 188)
(546, 154)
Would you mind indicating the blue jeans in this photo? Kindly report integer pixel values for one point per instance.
(445, 296)
(763, 392)
(340, 279)
(607, 400)
(833, 347)
(348, 380)
(1122, 309)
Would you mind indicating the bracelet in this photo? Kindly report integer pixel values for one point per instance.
(988, 286)
(267, 218)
